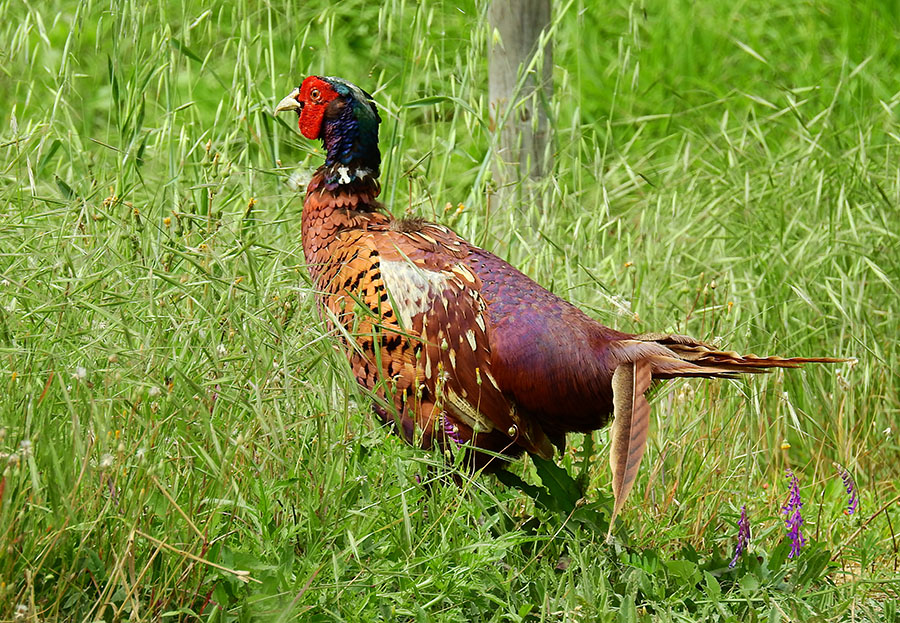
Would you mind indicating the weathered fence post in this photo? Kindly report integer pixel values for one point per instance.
(522, 146)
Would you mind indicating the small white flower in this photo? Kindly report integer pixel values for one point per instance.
(299, 180)
(887, 431)
(106, 461)
(154, 391)
(221, 350)
(13, 460)
(80, 373)
(622, 305)
(25, 447)
(21, 612)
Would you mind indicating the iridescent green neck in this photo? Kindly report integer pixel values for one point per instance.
(351, 140)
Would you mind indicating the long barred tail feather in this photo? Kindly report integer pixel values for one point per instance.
(673, 356)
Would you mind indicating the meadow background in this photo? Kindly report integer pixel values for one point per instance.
(174, 417)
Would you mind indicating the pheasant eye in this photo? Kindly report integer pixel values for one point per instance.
(314, 94)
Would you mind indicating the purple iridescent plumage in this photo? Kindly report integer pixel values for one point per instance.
(793, 518)
(352, 136)
(743, 536)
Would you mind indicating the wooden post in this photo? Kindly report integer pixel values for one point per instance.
(522, 146)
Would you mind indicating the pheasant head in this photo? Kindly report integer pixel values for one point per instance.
(343, 116)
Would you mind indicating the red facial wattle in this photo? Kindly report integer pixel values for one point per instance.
(315, 95)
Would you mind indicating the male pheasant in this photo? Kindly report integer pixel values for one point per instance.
(457, 346)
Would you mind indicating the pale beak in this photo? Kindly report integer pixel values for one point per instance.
(289, 103)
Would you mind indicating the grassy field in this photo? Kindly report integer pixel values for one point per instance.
(180, 439)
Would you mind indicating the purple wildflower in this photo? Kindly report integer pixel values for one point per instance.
(793, 518)
(850, 486)
(451, 430)
(743, 536)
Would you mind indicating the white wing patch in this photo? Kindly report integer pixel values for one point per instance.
(413, 289)
(470, 335)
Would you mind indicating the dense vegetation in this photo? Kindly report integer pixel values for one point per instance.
(179, 437)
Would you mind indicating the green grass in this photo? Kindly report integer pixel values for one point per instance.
(725, 170)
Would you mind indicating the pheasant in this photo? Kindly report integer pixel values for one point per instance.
(456, 346)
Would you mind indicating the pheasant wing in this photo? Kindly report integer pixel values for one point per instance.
(437, 297)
